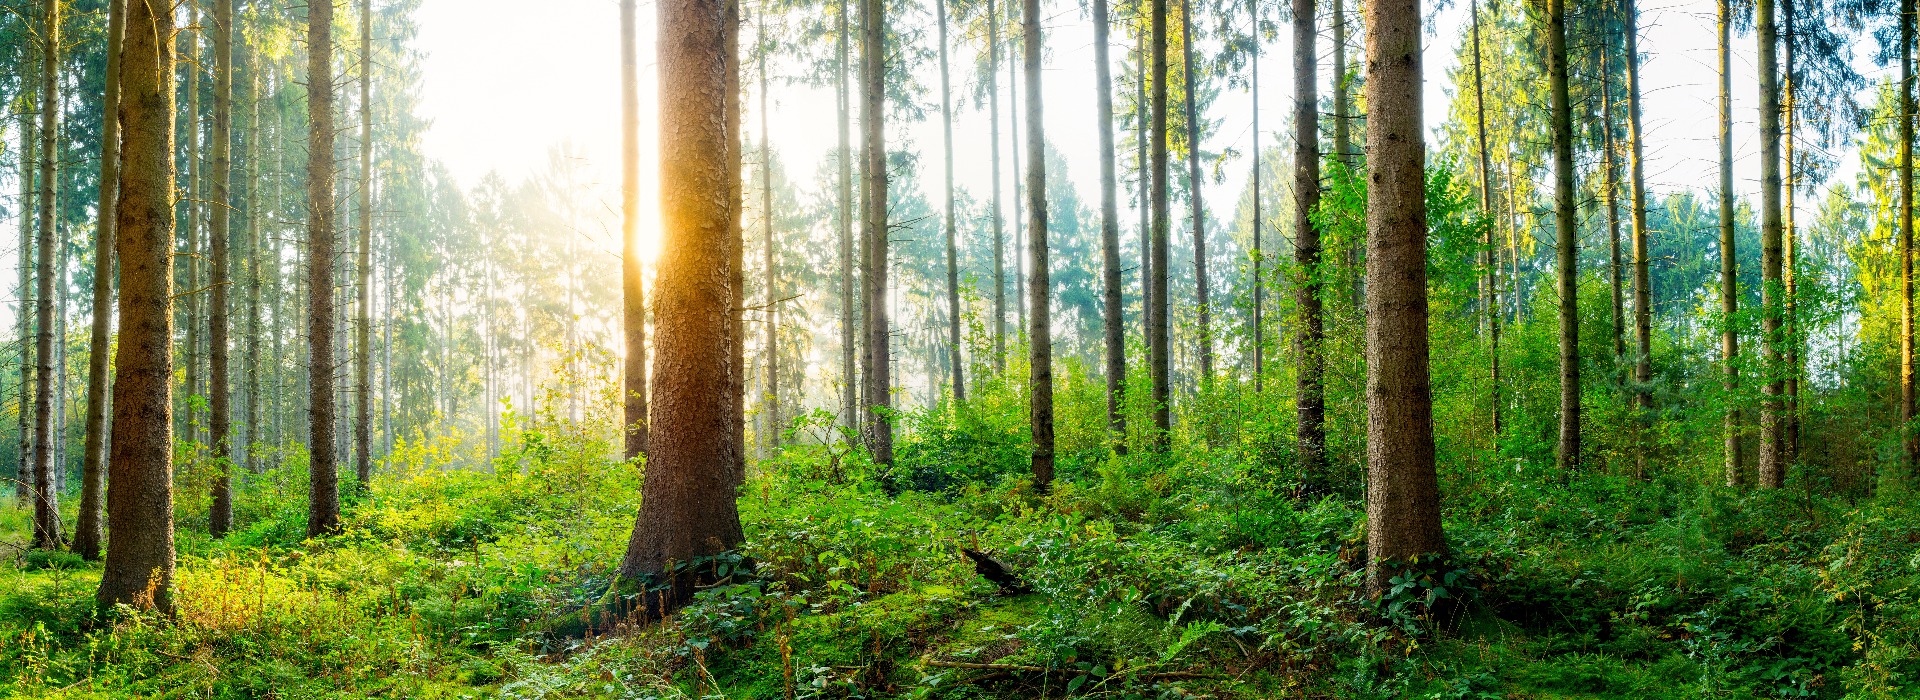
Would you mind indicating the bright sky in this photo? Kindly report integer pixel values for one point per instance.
(504, 85)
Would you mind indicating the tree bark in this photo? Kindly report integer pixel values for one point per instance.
(1403, 499)
(220, 515)
(1113, 314)
(196, 196)
(1910, 439)
(1642, 241)
(1343, 140)
(1567, 455)
(1491, 285)
(632, 273)
(1790, 422)
(363, 268)
(1773, 467)
(999, 226)
(88, 529)
(1040, 334)
(1258, 282)
(772, 285)
(849, 302)
(29, 159)
(878, 372)
(1159, 328)
(1194, 183)
(251, 432)
(1729, 264)
(1610, 169)
(323, 500)
(687, 505)
(958, 377)
(46, 502)
(1310, 398)
(139, 563)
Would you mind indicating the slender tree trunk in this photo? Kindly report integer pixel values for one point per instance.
(363, 326)
(46, 502)
(29, 160)
(323, 501)
(1343, 139)
(139, 563)
(632, 273)
(772, 286)
(1790, 429)
(1141, 116)
(999, 232)
(196, 195)
(1258, 282)
(1491, 285)
(736, 239)
(88, 532)
(849, 302)
(1910, 439)
(250, 439)
(687, 502)
(1642, 241)
(220, 515)
(878, 373)
(1403, 493)
(1309, 339)
(1611, 170)
(953, 249)
(1159, 331)
(1019, 195)
(1040, 334)
(1112, 312)
(1567, 457)
(1773, 468)
(1194, 184)
(1729, 264)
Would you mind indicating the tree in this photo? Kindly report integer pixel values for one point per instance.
(849, 340)
(1040, 334)
(878, 372)
(1490, 297)
(632, 275)
(1112, 314)
(1642, 278)
(1567, 456)
(1909, 440)
(363, 267)
(88, 532)
(1773, 466)
(1729, 264)
(999, 232)
(139, 563)
(687, 505)
(1310, 399)
(46, 501)
(1259, 283)
(220, 515)
(1403, 492)
(23, 481)
(771, 402)
(1160, 323)
(1192, 86)
(323, 500)
(953, 249)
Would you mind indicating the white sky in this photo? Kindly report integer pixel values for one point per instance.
(503, 86)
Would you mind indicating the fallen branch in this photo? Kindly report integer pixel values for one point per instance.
(1162, 676)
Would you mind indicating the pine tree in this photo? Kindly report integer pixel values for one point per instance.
(88, 530)
(323, 500)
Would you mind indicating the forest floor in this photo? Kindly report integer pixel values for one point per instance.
(1150, 578)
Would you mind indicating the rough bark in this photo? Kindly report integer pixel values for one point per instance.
(1040, 291)
(139, 562)
(1403, 494)
(250, 428)
(1310, 402)
(363, 267)
(220, 418)
(1791, 369)
(88, 529)
(1194, 187)
(1773, 467)
(23, 474)
(1610, 171)
(632, 275)
(1491, 286)
(1642, 240)
(954, 362)
(1566, 240)
(323, 500)
(878, 372)
(1729, 265)
(849, 302)
(1159, 329)
(46, 502)
(687, 501)
(1112, 313)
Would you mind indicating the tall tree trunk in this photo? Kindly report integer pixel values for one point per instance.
(1040, 334)
(1112, 312)
(1194, 195)
(29, 160)
(1773, 468)
(196, 196)
(736, 238)
(849, 302)
(953, 249)
(1258, 282)
(878, 372)
(139, 563)
(1491, 286)
(1343, 139)
(46, 502)
(1790, 428)
(1567, 456)
(772, 286)
(88, 532)
(220, 515)
(1159, 330)
(1910, 439)
(687, 505)
(363, 268)
(1642, 242)
(1019, 195)
(323, 500)
(999, 232)
(1403, 493)
(250, 437)
(1611, 170)
(1729, 264)
(1310, 398)
(1141, 116)
(632, 273)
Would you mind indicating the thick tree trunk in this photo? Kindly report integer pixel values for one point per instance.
(363, 326)
(323, 500)
(1729, 264)
(1642, 240)
(1194, 186)
(1112, 311)
(88, 530)
(1403, 493)
(1491, 286)
(1159, 329)
(878, 372)
(46, 502)
(220, 515)
(1310, 398)
(632, 275)
(954, 362)
(687, 501)
(1567, 455)
(139, 564)
(1773, 467)
(1040, 334)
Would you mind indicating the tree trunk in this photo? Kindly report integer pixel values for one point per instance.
(196, 196)
(878, 372)
(632, 274)
(1310, 398)
(250, 437)
(220, 515)
(772, 286)
(1258, 282)
(1567, 456)
(46, 502)
(1403, 493)
(1491, 286)
(1642, 242)
(1144, 185)
(1040, 334)
(999, 227)
(1159, 329)
(1773, 468)
(323, 500)
(1790, 428)
(687, 501)
(1112, 312)
(1194, 185)
(849, 302)
(1910, 439)
(363, 326)
(953, 250)
(1610, 168)
(1343, 139)
(736, 239)
(139, 564)
(29, 159)
(1729, 264)
(88, 532)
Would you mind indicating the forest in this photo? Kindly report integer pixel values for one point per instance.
(1467, 371)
